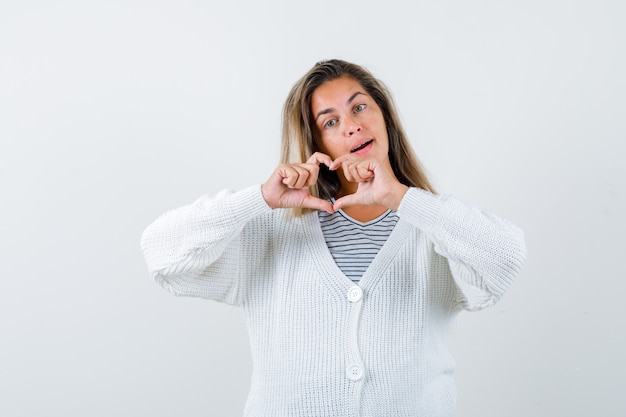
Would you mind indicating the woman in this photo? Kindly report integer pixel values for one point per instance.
(348, 267)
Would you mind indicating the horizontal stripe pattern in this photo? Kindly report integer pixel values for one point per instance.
(354, 244)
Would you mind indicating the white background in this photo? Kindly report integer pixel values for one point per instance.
(114, 112)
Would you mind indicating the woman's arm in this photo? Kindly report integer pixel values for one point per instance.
(484, 252)
(194, 250)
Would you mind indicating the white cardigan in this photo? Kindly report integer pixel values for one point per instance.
(321, 345)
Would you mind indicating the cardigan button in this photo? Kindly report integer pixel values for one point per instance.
(354, 372)
(355, 294)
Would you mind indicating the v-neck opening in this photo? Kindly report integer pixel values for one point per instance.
(329, 269)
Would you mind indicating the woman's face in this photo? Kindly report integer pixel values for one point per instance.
(348, 121)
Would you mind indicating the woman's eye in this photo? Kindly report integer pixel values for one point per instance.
(359, 107)
(330, 123)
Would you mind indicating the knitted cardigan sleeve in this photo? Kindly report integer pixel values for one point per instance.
(195, 250)
(484, 252)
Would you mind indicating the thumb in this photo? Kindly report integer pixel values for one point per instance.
(317, 204)
(346, 201)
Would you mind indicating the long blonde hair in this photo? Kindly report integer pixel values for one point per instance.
(298, 141)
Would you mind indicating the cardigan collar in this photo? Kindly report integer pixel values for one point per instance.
(337, 282)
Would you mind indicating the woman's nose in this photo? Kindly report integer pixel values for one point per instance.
(352, 126)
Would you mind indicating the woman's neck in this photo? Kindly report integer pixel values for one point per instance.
(365, 214)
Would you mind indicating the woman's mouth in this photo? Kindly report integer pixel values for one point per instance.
(362, 146)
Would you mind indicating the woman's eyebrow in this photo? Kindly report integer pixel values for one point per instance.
(348, 101)
(353, 96)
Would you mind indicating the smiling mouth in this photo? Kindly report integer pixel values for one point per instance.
(363, 145)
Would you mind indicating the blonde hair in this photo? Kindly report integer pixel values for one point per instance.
(298, 141)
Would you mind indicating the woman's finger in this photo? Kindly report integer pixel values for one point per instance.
(317, 204)
(347, 201)
(289, 175)
(364, 171)
(320, 158)
(340, 161)
(313, 173)
(300, 175)
(357, 171)
(348, 171)
(304, 175)
(295, 177)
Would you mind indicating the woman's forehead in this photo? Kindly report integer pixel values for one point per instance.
(337, 92)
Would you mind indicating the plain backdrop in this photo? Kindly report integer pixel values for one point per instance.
(112, 112)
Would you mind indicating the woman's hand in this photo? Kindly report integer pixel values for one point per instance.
(288, 186)
(377, 184)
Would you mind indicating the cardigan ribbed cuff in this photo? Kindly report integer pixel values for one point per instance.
(247, 204)
(420, 208)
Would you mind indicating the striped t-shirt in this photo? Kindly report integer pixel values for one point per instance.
(354, 244)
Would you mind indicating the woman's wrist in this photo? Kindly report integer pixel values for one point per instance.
(395, 196)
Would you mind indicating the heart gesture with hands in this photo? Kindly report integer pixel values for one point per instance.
(374, 184)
